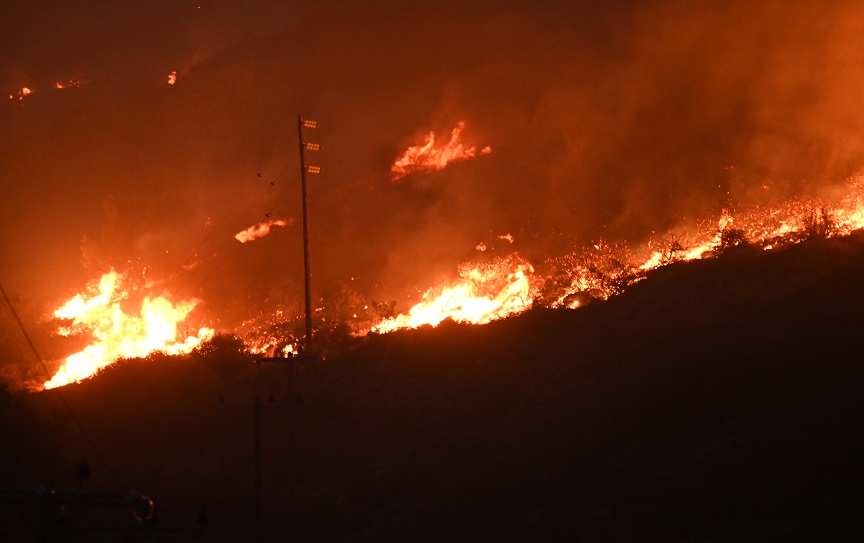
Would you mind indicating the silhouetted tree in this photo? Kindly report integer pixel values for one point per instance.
(819, 224)
(385, 310)
(672, 249)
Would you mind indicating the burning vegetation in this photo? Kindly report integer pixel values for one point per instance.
(20, 94)
(429, 158)
(259, 230)
(617, 144)
(606, 131)
(118, 331)
(484, 291)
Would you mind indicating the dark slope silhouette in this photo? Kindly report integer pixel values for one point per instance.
(717, 400)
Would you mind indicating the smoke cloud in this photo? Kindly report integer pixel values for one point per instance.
(617, 121)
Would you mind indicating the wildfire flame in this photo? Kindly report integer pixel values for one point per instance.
(428, 158)
(270, 333)
(605, 269)
(259, 230)
(788, 222)
(118, 334)
(72, 83)
(21, 94)
(486, 292)
(172, 78)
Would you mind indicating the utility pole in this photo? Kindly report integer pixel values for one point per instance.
(304, 169)
(257, 468)
(304, 355)
(258, 408)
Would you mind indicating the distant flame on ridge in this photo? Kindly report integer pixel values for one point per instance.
(260, 230)
(428, 158)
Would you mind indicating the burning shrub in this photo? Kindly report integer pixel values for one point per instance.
(599, 271)
(672, 249)
(344, 307)
(818, 224)
(272, 333)
(731, 237)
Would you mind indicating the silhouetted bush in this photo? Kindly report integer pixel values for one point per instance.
(731, 237)
(226, 356)
(345, 307)
(600, 270)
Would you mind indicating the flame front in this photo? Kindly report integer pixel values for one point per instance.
(259, 230)
(769, 227)
(485, 293)
(428, 158)
(603, 269)
(118, 334)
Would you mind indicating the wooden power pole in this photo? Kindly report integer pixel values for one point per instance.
(304, 169)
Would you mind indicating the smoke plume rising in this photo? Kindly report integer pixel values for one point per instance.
(617, 121)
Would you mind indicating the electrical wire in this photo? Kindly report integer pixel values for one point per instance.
(188, 277)
(98, 454)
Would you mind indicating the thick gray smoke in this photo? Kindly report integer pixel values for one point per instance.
(614, 121)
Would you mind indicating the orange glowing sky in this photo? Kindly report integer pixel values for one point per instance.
(620, 120)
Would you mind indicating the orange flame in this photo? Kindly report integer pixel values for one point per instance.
(72, 83)
(485, 293)
(172, 77)
(117, 334)
(260, 230)
(19, 95)
(785, 223)
(428, 158)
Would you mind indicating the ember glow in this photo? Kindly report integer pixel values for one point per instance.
(605, 269)
(71, 84)
(429, 158)
(21, 94)
(484, 293)
(270, 333)
(768, 227)
(259, 230)
(118, 334)
(617, 133)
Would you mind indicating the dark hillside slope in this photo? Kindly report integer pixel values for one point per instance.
(716, 400)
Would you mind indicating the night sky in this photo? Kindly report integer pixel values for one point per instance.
(616, 121)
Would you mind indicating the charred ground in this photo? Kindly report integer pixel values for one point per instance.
(717, 400)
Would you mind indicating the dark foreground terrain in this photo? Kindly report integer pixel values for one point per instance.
(718, 400)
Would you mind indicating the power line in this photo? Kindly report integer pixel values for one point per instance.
(84, 434)
(188, 277)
